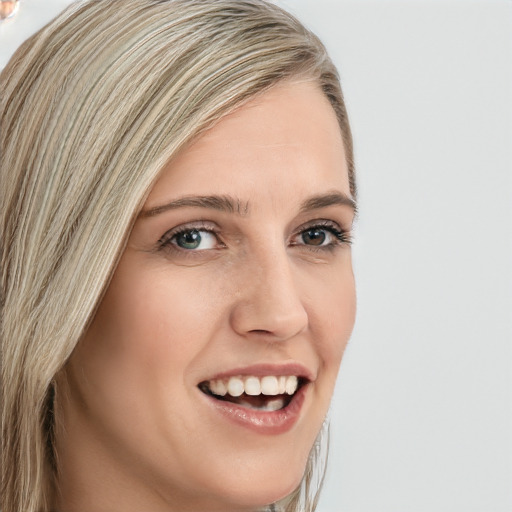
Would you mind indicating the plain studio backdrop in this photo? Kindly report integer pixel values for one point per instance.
(422, 416)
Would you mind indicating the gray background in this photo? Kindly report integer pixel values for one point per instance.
(422, 416)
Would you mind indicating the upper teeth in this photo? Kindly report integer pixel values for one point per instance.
(250, 385)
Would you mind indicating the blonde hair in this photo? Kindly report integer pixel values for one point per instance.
(92, 108)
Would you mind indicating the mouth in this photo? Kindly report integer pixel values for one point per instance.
(266, 393)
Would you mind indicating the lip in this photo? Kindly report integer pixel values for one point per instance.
(262, 422)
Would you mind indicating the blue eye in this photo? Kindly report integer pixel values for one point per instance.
(193, 239)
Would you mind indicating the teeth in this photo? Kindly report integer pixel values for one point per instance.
(273, 404)
(235, 386)
(252, 386)
(282, 384)
(291, 384)
(269, 385)
(217, 387)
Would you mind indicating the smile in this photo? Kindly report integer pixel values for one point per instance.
(268, 393)
(267, 403)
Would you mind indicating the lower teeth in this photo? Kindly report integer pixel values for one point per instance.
(270, 405)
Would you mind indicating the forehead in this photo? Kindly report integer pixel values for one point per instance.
(287, 138)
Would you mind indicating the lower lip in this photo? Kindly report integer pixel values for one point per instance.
(263, 422)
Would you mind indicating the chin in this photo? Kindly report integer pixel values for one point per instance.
(261, 484)
(256, 496)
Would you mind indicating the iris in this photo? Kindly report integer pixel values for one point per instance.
(189, 239)
(314, 236)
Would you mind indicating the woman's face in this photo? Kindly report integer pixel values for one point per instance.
(237, 275)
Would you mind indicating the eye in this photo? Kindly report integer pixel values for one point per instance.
(323, 235)
(193, 239)
(189, 239)
(316, 236)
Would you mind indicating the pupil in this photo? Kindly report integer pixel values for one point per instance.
(314, 237)
(189, 239)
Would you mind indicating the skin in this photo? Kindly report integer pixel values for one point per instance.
(134, 432)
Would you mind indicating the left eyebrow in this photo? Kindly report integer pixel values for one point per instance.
(330, 199)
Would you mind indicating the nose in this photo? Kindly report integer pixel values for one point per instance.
(267, 301)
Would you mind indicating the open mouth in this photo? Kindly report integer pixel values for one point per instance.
(268, 393)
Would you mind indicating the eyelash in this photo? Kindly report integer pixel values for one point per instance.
(341, 237)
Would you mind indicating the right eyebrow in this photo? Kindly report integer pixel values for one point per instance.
(221, 203)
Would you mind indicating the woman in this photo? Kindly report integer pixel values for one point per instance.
(178, 193)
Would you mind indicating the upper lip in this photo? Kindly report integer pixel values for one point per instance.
(262, 369)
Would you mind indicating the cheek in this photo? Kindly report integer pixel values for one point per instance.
(144, 335)
(332, 311)
(129, 372)
(152, 327)
(344, 317)
(132, 326)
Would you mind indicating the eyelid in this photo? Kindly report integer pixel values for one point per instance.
(319, 223)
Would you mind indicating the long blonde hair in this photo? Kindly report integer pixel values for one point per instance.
(92, 107)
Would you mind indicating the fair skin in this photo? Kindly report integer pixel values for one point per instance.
(205, 290)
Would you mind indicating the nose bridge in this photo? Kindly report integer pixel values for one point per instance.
(269, 301)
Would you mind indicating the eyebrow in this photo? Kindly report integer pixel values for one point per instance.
(230, 204)
(330, 199)
(221, 203)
